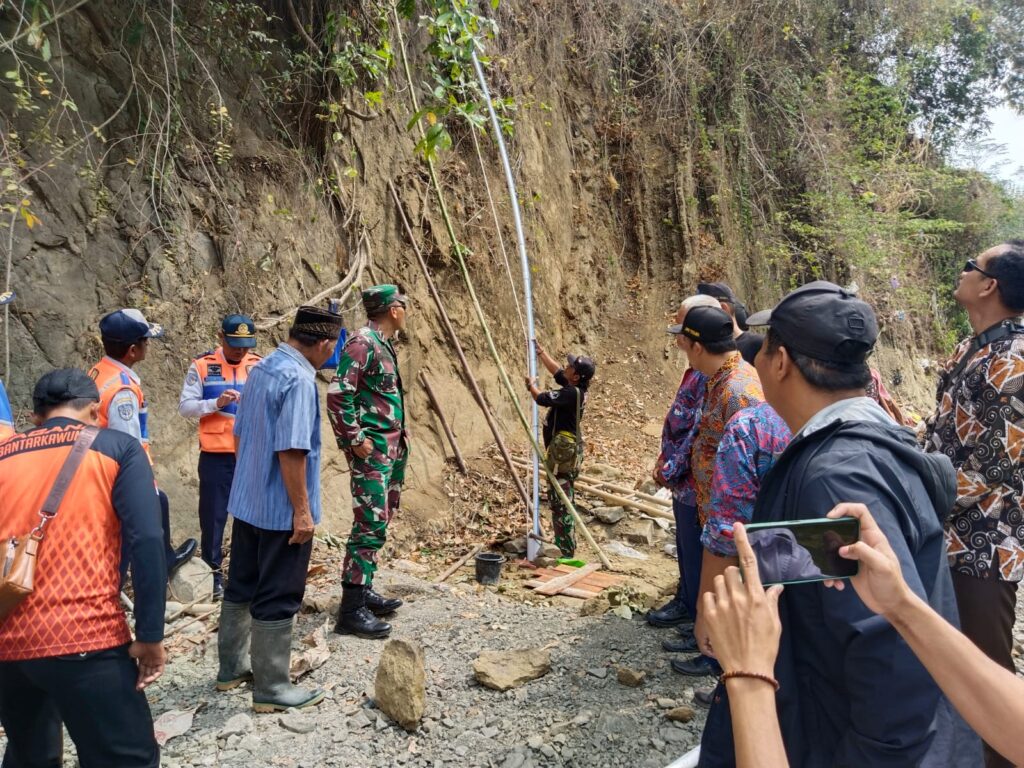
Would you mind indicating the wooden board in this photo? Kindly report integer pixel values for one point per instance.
(557, 584)
(590, 585)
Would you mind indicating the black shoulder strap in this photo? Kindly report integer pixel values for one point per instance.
(983, 339)
(67, 472)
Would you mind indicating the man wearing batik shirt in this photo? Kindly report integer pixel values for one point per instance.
(706, 336)
(979, 425)
(753, 439)
(672, 471)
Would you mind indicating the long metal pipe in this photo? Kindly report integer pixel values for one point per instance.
(531, 347)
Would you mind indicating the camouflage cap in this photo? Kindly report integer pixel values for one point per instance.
(378, 297)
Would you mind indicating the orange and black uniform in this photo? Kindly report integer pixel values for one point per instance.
(209, 376)
(64, 650)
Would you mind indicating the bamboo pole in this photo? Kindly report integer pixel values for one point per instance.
(444, 422)
(596, 481)
(459, 353)
(622, 501)
(457, 252)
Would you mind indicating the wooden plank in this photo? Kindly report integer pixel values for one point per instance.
(586, 592)
(600, 577)
(556, 585)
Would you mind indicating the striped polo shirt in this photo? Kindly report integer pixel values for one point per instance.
(280, 412)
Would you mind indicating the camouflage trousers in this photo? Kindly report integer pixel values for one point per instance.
(562, 521)
(376, 495)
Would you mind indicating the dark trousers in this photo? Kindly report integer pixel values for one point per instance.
(266, 571)
(986, 616)
(165, 521)
(689, 554)
(216, 471)
(93, 694)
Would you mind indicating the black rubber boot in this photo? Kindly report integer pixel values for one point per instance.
(272, 689)
(354, 618)
(380, 605)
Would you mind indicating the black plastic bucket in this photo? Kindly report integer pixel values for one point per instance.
(488, 567)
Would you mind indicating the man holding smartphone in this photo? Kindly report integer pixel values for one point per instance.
(851, 693)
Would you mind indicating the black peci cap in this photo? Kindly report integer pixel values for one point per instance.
(317, 322)
(61, 386)
(823, 322)
(704, 324)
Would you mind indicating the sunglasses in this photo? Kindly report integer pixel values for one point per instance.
(972, 266)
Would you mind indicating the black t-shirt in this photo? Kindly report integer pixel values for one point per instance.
(562, 407)
(748, 343)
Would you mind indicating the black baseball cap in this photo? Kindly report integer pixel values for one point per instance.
(61, 386)
(128, 326)
(704, 324)
(583, 365)
(719, 291)
(239, 331)
(824, 322)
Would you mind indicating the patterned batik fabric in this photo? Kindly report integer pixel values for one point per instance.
(732, 388)
(365, 399)
(979, 425)
(677, 436)
(376, 495)
(562, 522)
(752, 441)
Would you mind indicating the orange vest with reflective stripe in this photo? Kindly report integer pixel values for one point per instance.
(217, 375)
(111, 378)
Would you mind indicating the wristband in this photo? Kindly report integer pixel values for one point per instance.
(751, 675)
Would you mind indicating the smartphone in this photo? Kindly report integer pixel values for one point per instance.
(802, 551)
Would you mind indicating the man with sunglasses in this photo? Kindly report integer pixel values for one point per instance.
(366, 406)
(979, 425)
(125, 335)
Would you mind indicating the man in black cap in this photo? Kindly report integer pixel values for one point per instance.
(562, 436)
(275, 503)
(705, 334)
(747, 342)
(852, 692)
(125, 334)
(211, 393)
(67, 654)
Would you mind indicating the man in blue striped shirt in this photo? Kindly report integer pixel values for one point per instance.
(275, 502)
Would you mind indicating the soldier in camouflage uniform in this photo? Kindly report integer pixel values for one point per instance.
(365, 403)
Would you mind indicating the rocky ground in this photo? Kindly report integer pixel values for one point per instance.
(578, 712)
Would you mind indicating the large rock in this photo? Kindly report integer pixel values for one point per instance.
(609, 515)
(192, 582)
(400, 689)
(502, 670)
(639, 532)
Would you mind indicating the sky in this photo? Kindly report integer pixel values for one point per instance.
(1007, 134)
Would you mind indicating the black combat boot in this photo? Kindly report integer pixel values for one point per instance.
(380, 605)
(354, 618)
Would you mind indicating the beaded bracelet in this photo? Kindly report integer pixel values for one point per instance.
(752, 675)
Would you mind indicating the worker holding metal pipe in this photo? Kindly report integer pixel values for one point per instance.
(562, 437)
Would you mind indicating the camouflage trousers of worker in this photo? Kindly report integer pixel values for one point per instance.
(562, 521)
(376, 495)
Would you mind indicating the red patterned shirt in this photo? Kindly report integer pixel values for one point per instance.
(732, 388)
(979, 425)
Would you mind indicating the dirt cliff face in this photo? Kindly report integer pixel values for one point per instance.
(157, 177)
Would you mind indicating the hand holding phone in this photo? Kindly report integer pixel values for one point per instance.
(802, 551)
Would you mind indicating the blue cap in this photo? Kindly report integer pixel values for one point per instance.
(239, 331)
(6, 297)
(129, 326)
